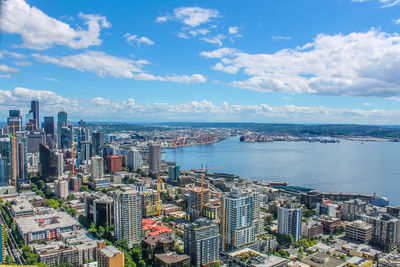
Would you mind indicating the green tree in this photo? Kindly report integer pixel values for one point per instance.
(71, 197)
(301, 251)
(122, 243)
(52, 203)
(101, 231)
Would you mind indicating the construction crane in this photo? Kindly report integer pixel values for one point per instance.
(159, 194)
(202, 184)
(14, 149)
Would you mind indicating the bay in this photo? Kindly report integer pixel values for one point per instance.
(348, 166)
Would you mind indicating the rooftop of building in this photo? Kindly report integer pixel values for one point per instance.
(360, 224)
(21, 206)
(46, 221)
(170, 258)
(322, 259)
(256, 259)
(154, 228)
(153, 240)
(357, 261)
(110, 251)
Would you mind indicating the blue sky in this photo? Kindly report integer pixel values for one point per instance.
(331, 61)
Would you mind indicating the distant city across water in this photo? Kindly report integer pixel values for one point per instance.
(348, 166)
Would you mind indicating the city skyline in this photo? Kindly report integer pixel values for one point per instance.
(315, 62)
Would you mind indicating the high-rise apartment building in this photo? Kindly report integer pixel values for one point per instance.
(128, 215)
(97, 170)
(202, 242)
(97, 143)
(134, 159)
(240, 218)
(386, 229)
(154, 158)
(352, 208)
(290, 221)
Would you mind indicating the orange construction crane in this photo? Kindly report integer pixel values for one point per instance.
(202, 184)
(159, 194)
(14, 149)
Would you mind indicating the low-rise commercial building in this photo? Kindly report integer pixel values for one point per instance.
(359, 231)
(46, 226)
(320, 259)
(250, 258)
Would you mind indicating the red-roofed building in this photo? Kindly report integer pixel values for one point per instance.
(152, 228)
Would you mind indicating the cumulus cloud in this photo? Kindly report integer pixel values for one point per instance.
(13, 54)
(201, 110)
(133, 39)
(40, 31)
(105, 65)
(191, 16)
(357, 64)
(7, 69)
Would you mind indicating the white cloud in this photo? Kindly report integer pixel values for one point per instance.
(8, 69)
(162, 19)
(13, 54)
(217, 39)
(395, 98)
(51, 79)
(134, 39)
(384, 3)
(357, 64)
(98, 62)
(397, 21)
(280, 37)
(195, 16)
(23, 63)
(233, 30)
(129, 110)
(40, 31)
(219, 53)
(367, 104)
(190, 16)
(105, 65)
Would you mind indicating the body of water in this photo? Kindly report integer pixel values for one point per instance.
(348, 166)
